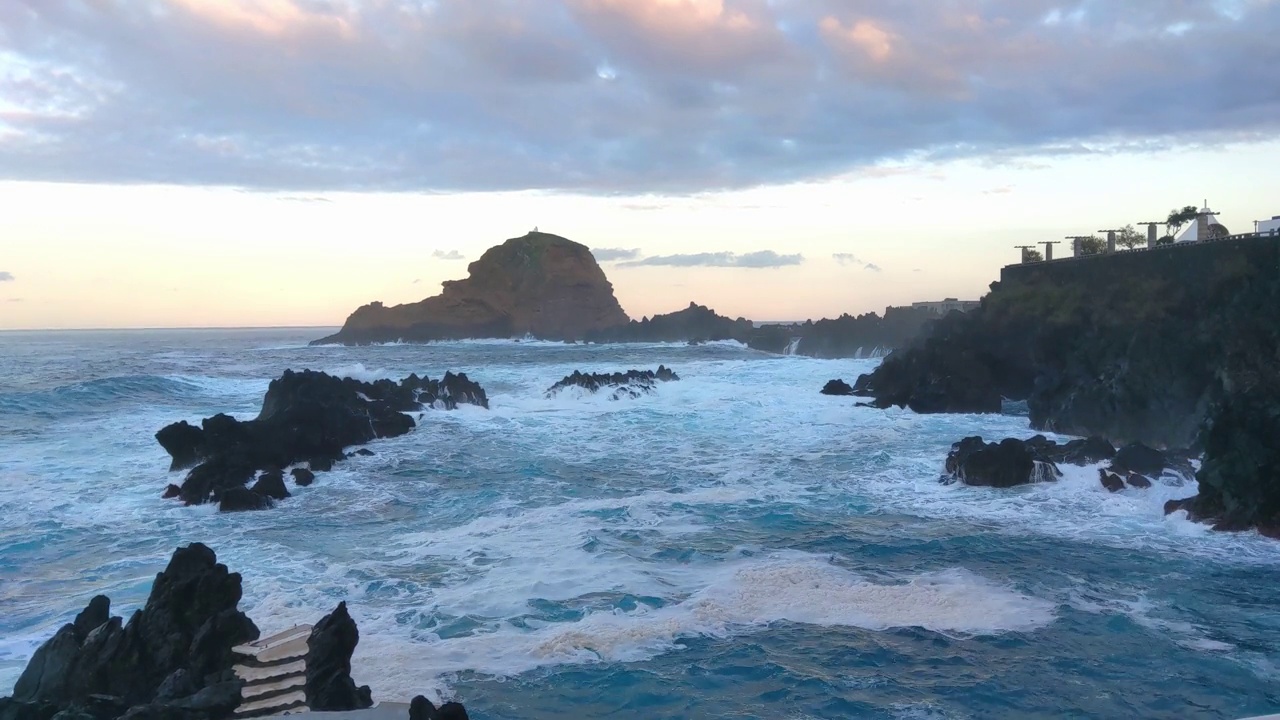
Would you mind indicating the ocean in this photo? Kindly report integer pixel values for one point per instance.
(733, 546)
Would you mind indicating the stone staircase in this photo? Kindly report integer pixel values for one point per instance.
(274, 673)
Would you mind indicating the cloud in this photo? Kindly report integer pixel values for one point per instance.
(615, 254)
(416, 281)
(448, 255)
(6, 276)
(1002, 190)
(760, 259)
(15, 300)
(849, 259)
(609, 96)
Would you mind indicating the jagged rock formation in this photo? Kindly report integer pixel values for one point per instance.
(329, 685)
(1013, 462)
(306, 417)
(632, 383)
(696, 323)
(172, 659)
(539, 284)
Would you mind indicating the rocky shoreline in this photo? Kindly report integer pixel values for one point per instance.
(175, 658)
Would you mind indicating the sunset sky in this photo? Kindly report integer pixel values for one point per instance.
(280, 162)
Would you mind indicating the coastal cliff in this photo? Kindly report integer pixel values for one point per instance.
(1175, 347)
(540, 284)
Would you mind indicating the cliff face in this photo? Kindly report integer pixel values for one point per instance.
(1134, 347)
(539, 284)
(847, 336)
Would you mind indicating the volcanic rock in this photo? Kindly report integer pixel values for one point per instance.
(330, 646)
(837, 387)
(306, 416)
(1110, 480)
(1005, 464)
(632, 383)
(540, 284)
(179, 643)
(302, 477)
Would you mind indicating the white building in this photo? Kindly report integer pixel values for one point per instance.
(1205, 227)
(1272, 225)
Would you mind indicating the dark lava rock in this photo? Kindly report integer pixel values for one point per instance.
(452, 711)
(421, 708)
(271, 484)
(1110, 480)
(1138, 481)
(329, 648)
(1138, 458)
(239, 499)
(1007, 464)
(837, 387)
(306, 416)
(363, 452)
(1239, 480)
(179, 643)
(171, 491)
(632, 383)
(302, 477)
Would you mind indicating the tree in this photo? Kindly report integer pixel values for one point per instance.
(1092, 245)
(1032, 255)
(1178, 218)
(1129, 238)
(1166, 240)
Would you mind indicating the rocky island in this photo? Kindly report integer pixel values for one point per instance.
(540, 284)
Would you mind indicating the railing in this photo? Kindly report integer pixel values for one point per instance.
(1194, 243)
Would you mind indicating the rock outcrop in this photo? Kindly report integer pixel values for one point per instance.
(1013, 462)
(837, 387)
(1239, 480)
(1006, 464)
(696, 323)
(540, 284)
(632, 383)
(330, 646)
(306, 417)
(172, 659)
(1131, 347)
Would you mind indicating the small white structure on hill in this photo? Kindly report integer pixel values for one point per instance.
(1206, 227)
(1269, 226)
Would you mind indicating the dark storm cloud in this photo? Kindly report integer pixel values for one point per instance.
(761, 259)
(633, 96)
(614, 254)
(6, 276)
(449, 255)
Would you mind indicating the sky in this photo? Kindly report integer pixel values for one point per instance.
(197, 163)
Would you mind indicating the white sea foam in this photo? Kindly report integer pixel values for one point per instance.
(737, 597)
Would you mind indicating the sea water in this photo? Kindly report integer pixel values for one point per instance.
(734, 545)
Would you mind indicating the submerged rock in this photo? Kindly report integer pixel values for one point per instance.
(837, 387)
(632, 383)
(302, 477)
(1110, 480)
(329, 685)
(306, 417)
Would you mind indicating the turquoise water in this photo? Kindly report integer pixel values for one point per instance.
(735, 546)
